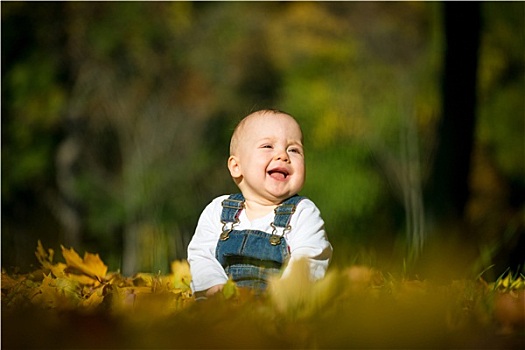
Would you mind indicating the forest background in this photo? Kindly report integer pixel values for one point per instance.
(116, 118)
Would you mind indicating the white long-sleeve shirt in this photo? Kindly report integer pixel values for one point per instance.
(307, 238)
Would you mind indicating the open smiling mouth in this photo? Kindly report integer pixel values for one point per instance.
(278, 174)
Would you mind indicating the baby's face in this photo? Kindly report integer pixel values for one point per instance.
(270, 158)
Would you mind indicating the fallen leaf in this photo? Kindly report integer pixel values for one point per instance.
(181, 274)
(44, 258)
(91, 266)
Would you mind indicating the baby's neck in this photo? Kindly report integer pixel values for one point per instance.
(255, 210)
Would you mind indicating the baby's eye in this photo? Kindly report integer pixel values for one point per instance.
(266, 146)
(294, 150)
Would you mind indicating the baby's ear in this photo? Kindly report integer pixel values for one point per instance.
(234, 166)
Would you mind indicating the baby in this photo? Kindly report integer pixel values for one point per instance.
(252, 235)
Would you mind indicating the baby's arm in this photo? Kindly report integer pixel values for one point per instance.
(308, 239)
(208, 275)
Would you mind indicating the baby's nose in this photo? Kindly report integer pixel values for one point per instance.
(282, 155)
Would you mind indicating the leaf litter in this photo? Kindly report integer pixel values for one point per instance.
(79, 304)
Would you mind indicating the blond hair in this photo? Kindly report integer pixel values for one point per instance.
(234, 142)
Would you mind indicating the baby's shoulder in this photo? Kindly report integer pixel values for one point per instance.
(305, 203)
(217, 201)
(306, 208)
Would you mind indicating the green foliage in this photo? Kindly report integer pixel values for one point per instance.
(355, 187)
(31, 121)
(150, 92)
(502, 82)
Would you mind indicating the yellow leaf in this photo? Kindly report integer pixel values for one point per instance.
(518, 283)
(70, 288)
(230, 290)
(57, 293)
(298, 296)
(58, 270)
(181, 274)
(325, 290)
(506, 281)
(290, 293)
(44, 258)
(8, 282)
(125, 298)
(91, 266)
(143, 280)
(93, 300)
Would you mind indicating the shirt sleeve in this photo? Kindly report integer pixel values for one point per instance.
(206, 271)
(308, 239)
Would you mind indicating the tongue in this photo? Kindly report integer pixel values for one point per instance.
(277, 175)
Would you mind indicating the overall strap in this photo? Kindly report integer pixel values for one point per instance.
(232, 207)
(283, 213)
(234, 204)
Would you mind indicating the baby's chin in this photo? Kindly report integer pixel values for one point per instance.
(270, 194)
(279, 197)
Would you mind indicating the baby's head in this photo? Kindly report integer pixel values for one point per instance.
(240, 131)
(267, 157)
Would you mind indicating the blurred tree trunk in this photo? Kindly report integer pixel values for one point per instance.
(448, 189)
(67, 202)
(451, 248)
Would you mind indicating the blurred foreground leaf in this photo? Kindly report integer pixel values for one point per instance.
(353, 307)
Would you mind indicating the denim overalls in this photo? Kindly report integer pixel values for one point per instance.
(250, 257)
